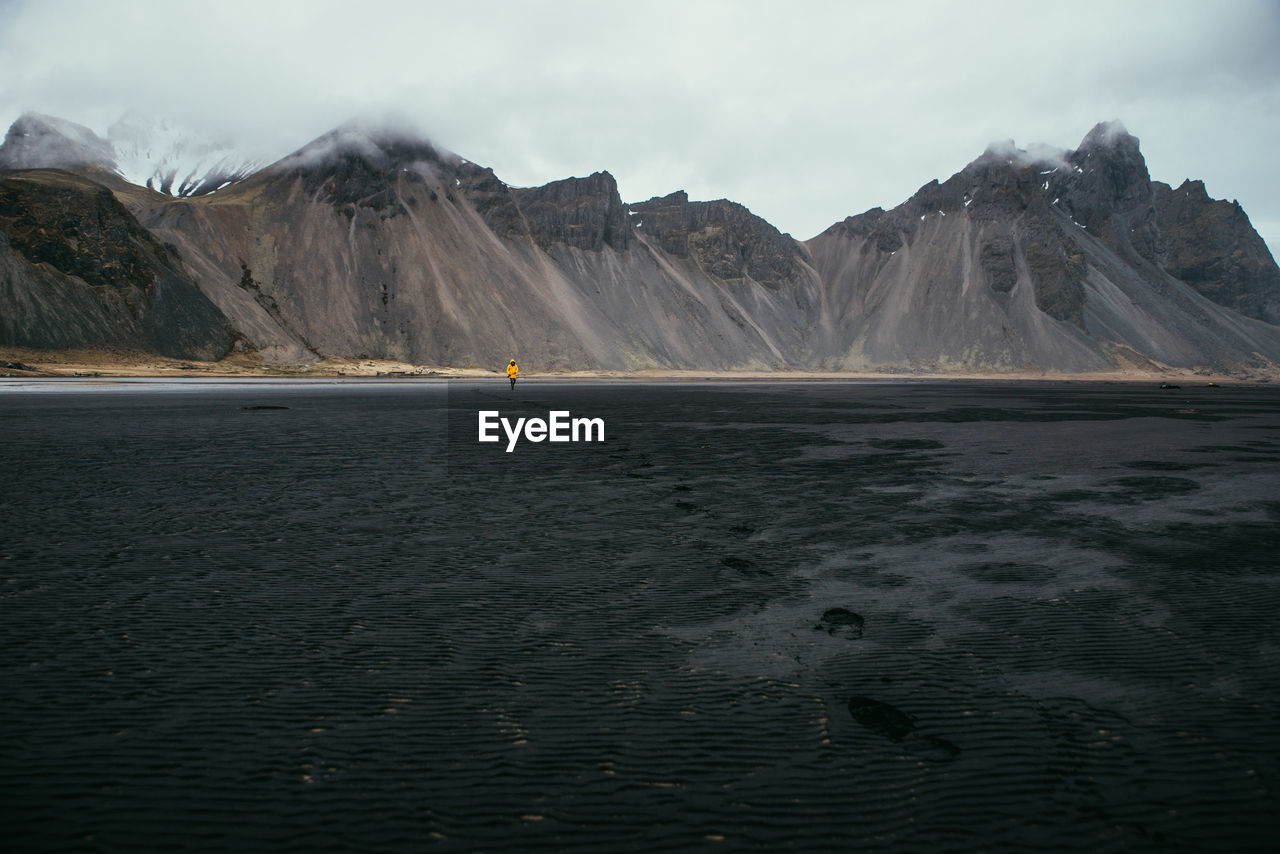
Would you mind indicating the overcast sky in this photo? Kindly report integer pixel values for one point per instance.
(805, 111)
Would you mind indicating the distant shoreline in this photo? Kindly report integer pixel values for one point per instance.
(81, 364)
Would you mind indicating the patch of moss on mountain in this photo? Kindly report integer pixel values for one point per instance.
(80, 229)
(80, 271)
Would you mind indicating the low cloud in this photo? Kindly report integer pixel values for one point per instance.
(37, 141)
(805, 112)
(1036, 154)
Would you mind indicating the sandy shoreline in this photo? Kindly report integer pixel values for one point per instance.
(1006, 596)
(30, 364)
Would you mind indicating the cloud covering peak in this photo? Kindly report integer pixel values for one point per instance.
(37, 141)
(805, 111)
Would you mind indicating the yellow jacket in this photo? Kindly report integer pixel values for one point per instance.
(512, 370)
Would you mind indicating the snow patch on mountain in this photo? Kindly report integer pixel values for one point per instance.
(173, 159)
(150, 152)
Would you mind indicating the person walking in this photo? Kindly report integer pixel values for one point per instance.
(513, 370)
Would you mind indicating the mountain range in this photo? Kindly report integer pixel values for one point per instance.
(374, 242)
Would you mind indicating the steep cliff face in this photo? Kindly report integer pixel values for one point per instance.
(1105, 188)
(584, 213)
(723, 237)
(1042, 259)
(375, 242)
(78, 270)
(1211, 245)
(368, 243)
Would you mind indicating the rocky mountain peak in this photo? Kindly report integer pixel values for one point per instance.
(1109, 174)
(1109, 135)
(381, 147)
(725, 238)
(584, 213)
(1191, 189)
(37, 141)
(358, 164)
(1005, 152)
(1211, 245)
(174, 159)
(1106, 175)
(151, 152)
(1035, 258)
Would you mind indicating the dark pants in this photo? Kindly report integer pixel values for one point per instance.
(513, 382)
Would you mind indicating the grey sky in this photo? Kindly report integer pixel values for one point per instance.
(805, 111)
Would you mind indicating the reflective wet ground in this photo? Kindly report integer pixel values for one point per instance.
(825, 616)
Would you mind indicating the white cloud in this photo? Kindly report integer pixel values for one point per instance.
(805, 111)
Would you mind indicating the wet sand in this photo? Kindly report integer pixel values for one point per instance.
(896, 616)
(110, 364)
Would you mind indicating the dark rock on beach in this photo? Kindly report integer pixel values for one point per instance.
(881, 718)
(841, 622)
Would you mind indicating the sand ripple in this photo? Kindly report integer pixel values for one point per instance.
(918, 617)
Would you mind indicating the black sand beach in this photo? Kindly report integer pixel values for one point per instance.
(893, 616)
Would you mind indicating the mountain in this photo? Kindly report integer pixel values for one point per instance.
(1211, 245)
(147, 152)
(78, 270)
(174, 160)
(1043, 259)
(372, 241)
(37, 141)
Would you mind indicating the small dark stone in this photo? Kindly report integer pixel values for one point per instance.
(881, 718)
(841, 621)
(943, 748)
